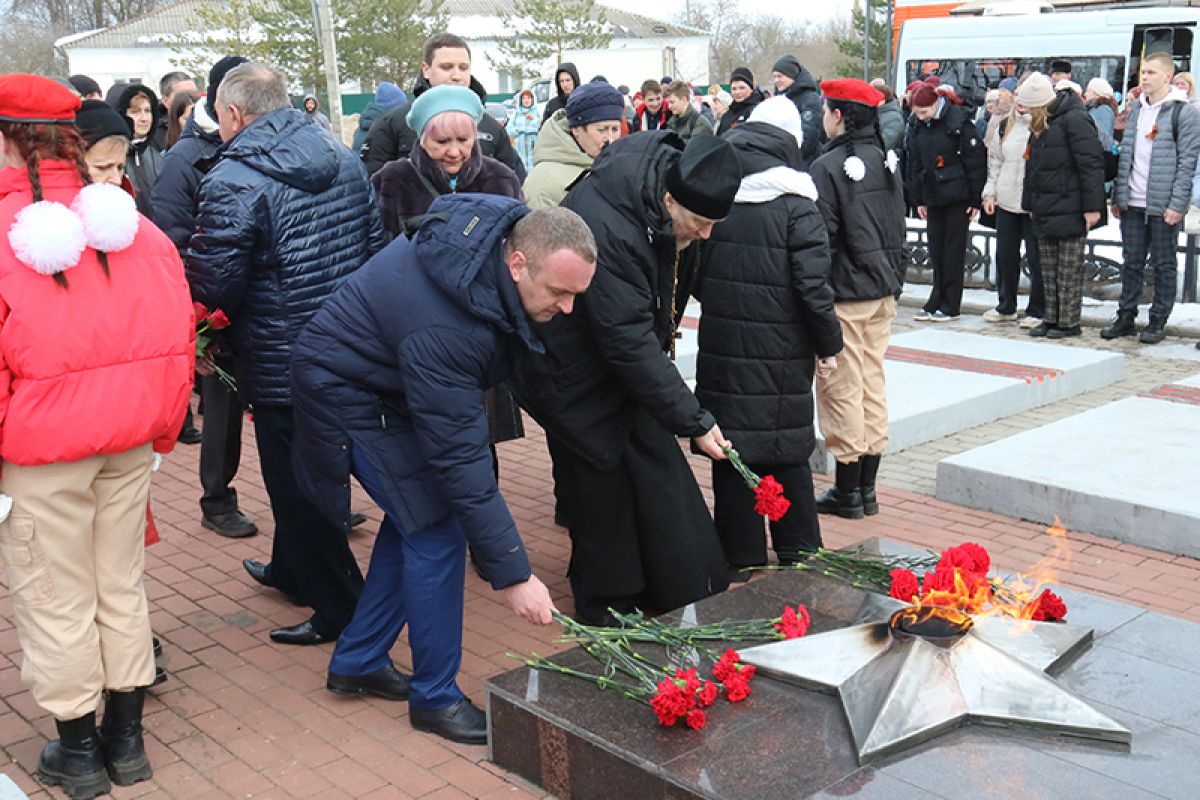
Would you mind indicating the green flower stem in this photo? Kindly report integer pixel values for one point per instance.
(752, 480)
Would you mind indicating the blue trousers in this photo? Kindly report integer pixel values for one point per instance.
(415, 578)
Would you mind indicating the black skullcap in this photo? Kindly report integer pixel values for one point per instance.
(744, 75)
(97, 120)
(215, 76)
(1060, 66)
(789, 66)
(706, 177)
(84, 84)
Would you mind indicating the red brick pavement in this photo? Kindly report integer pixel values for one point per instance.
(242, 717)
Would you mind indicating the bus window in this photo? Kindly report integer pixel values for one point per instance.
(1174, 39)
(972, 78)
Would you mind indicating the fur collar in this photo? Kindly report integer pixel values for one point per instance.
(765, 186)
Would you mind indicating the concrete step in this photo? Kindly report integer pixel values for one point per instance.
(1127, 470)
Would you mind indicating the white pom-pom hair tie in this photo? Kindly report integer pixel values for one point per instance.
(855, 169)
(892, 161)
(109, 216)
(47, 237)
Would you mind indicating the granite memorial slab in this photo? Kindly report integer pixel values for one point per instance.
(1101, 471)
(786, 741)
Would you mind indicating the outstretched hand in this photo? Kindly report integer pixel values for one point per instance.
(531, 601)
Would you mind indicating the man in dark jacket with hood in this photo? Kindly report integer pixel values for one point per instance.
(447, 60)
(174, 202)
(566, 80)
(607, 392)
(284, 218)
(389, 380)
(797, 84)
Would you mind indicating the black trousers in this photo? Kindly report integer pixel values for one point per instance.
(310, 557)
(742, 530)
(1011, 231)
(220, 445)
(946, 228)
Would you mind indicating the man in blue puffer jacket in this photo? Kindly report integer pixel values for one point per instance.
(389, 381)
(283, 219)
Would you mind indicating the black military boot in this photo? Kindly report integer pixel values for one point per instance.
(843, 498)
(1121, 326)
(74, 760)
(121, 738)
(1155, 331)
(866, 484)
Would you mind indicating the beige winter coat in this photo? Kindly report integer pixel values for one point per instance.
(1006, 165)
(558, 162)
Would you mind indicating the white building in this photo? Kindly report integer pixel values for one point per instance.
(641, 47)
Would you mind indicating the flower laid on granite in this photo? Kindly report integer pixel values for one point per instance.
(794, 622)
(904, 587)
(768, 492)
(734, 676)
(1049, 608)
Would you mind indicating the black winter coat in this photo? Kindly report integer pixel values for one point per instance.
(284, 218)
(145, 160)
(806, 95)
(946, 162)
(864, 219)
(390, 137)
(610, 356)
(739, 111)
(175, 198)
(1064, 177)
(560, 98)
(768, 308)
(408, 186)
(395, 366)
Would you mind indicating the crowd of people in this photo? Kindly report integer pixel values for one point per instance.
(393, 308)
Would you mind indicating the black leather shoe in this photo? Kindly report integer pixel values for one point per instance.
(262, 574)
(230, 524)
(190, 436)
(388, 683)
(461, 722)
(1064, 333)
(304, 633)
(1042, 329)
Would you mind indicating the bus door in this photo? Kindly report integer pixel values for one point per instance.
(1174, 38)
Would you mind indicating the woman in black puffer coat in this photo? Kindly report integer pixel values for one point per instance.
(1064, 192)
(768, 316)
(447, 160)
(946, 169)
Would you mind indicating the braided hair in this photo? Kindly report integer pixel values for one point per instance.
(856, 117)
(43, 141)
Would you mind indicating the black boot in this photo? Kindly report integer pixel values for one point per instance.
(1121, 326)
(121, 738)
(866, 484)
(1155, 331)
(843, 498)
(74, 760)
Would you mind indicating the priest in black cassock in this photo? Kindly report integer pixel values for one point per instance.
(608, 395)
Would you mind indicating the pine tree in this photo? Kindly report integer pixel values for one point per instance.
(851, 45)
(541, 29)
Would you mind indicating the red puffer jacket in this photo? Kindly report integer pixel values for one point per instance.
(106, 364)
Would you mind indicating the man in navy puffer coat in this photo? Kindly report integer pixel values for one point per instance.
(284, 218)
(389, 381)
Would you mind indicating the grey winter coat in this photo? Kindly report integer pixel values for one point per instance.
(891, 127)
(689, 125)
(1172, 161)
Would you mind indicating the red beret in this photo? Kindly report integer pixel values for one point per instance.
(853, 90)
(32, 98)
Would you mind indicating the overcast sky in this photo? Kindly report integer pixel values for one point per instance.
(810, 10)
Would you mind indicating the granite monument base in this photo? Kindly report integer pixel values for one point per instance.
(579, 742)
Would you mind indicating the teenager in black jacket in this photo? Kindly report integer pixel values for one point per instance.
(1064, 192)
(768, 318)
(946, 169)
(862, 201)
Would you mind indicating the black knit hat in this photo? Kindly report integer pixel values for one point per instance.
(789, 66)
(96, 120)
(215, 76)
(84, 84)
(706, 177)
(744, 75)
(1060, 65)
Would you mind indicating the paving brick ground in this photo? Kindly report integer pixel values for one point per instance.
(242, 717)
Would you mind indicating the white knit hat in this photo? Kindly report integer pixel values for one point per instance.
(1100, 87)
(1035, 91)
(780, 112)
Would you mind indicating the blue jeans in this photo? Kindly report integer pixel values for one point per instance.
(421, 572)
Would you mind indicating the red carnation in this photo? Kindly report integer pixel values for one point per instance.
(980, 555)
(1050, 607)
(727, 665)
(672, 701)
(794, 622)
(708, 695)
(905, 586)
(218, 320)
(737, 687)
(769, 500)
(691, 680)
(696, 719)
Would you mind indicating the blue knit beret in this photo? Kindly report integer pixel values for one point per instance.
(439, 100)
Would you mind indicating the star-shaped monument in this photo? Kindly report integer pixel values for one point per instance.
(902, 683)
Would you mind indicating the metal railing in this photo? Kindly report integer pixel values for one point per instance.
(1103, 276)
